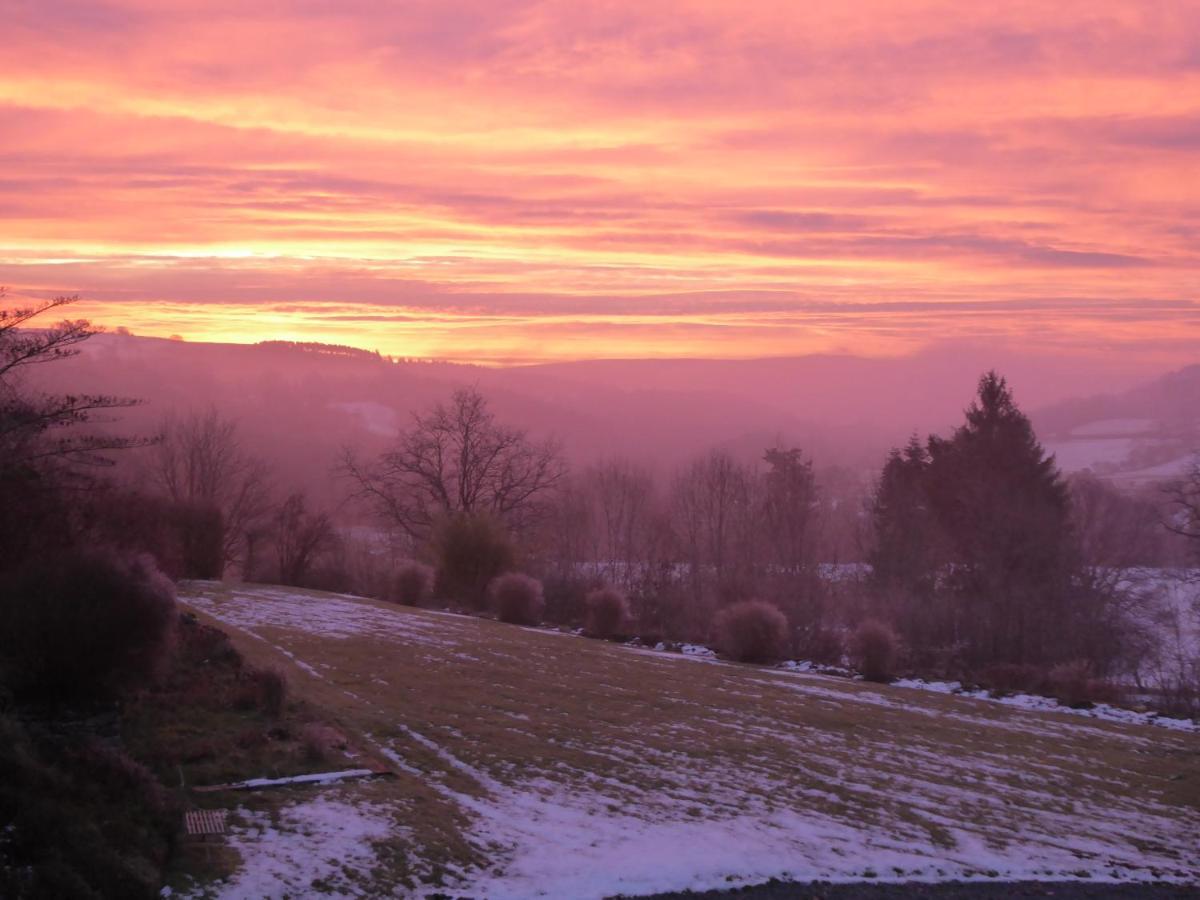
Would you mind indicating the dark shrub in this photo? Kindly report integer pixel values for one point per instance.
(751, 631)
(85, 624)
(204, 643)
(517, 598)
(873, 649)
(272, 691)
(412, 584)
(820, 645)
(321, 743)
(264, 689)
(79, 820)
(186, 540)
(200, 531)
(1073, 684)
(607, 613)
(329, 575)
(566, 597)
(1010, 678)
(114, 770)
(471, 552)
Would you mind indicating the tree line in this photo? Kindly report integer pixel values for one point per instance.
(971, 550)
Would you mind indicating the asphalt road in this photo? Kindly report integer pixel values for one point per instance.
(948, 891)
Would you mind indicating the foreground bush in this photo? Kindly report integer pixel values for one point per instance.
(412, 584)
(752, 631)
(607, 613)
(85, 624)
(81, 818)
(472, 550)
(874, 650)
(518, 599)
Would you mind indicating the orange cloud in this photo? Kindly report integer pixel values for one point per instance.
(530, 179)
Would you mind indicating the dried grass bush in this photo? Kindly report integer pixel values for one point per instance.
(517, 598)
(752, 631)
(607, 613)
(412, 584)
(874, 649)
(321, 743)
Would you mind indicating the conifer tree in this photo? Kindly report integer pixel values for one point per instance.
(1004, 508)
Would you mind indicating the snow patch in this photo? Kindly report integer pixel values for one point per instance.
(316, 847)
(333, 616)
(1101, 711)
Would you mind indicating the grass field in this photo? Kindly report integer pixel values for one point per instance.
(531, 762)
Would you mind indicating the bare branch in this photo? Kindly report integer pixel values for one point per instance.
(455, 458)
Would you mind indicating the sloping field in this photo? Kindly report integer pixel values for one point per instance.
(535, 763)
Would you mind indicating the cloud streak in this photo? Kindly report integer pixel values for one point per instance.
(607, 179)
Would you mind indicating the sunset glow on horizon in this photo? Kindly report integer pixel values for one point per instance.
(534, 180)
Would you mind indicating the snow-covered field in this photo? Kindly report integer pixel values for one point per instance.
(530, 764)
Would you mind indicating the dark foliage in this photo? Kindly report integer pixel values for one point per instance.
(84, 624)
(906, 550)
(565, 593)
(471, 551)
(270, 687)
(517, 598)
(55, 845)
(788, 510)
(412, 584)
(1074, 684)
(976, 547)
(819, 644)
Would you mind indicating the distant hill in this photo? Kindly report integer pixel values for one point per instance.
(299, 404)
(1146, 434)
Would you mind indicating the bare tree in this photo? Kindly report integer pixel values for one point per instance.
(200, 463)
(37, 427)
(300, 537)
(457, 459)
(623, 496)
(567, 535)
(713, 503)
(1116, 530)
(1184, 498)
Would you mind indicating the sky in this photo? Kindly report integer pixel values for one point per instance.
(522, 180)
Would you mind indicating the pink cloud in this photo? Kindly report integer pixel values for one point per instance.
(926, 165)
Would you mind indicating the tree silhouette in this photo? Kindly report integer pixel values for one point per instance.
(457, 460)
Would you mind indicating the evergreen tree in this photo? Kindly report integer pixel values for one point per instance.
(908, 554)
(788, 509)
(902, 556)
(975, 548)
(1004, 510)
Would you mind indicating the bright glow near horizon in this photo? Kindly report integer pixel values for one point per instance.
(523, 179)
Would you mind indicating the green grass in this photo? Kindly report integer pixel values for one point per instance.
(474, 707)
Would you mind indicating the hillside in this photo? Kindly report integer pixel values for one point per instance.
(1142, 436)
(531, 762)
(298, 405)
